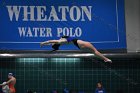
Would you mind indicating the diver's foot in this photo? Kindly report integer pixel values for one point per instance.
(108, 61)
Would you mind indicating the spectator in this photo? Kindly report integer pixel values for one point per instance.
(99, 88)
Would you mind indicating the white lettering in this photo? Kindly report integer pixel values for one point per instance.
(13, 10)
(40, 13)
(77, 32)
(63, 9)
(28, 13)
(77, 12)
(34, 32)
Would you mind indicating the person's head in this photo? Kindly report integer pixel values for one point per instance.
(99, 85)
(10, 75)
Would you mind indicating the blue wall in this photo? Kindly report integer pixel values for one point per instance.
(105, 27)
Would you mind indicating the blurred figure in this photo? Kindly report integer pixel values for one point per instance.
(10, 83)
(5, 89)
(99, 88)
(65, 90)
